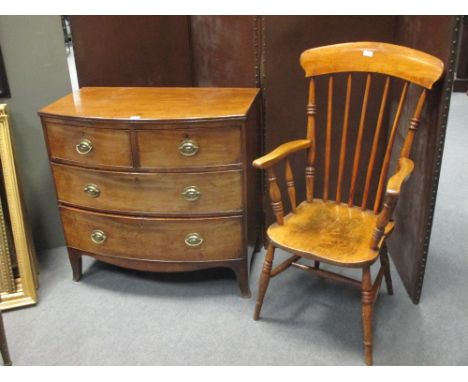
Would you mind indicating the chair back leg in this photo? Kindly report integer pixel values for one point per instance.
(264, 280)
(386, 265)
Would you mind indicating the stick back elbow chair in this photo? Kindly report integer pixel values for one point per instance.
(347, 232)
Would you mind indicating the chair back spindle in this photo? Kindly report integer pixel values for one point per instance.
(375, 143)
(310, 168)
(344, 139)
(357, 151)
(275, 196)
(328, 138)
(288, 175)
(388, 151)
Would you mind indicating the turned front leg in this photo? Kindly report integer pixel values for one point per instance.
(367, 312)
(264, 280)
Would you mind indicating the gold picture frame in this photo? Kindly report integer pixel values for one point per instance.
(24, 291)
(7, 279)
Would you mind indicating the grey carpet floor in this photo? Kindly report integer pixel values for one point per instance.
(121, 317)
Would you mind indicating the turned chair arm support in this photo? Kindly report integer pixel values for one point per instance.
(281, 152)
(405, 168)
(267, 161)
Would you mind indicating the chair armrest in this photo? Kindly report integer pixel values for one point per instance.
(280, 152)
(405, 168)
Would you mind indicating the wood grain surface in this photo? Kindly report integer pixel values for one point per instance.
(139, 104)
(150, 239)
(217, 146)
(377, 57)
(110, 148)
(327, 231)
(150, 193)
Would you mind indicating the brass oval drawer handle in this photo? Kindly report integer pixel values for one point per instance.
(98, 236)
(193, 240)
(84, 147)
(92, 190)
(191, 193)
(188, 147)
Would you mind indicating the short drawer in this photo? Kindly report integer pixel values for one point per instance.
(89, 146)
(150, 193)
(190, 147)
(174, 239)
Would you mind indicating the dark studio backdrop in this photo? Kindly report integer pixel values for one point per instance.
(263, 51)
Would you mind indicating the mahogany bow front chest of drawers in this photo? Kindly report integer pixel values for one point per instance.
(156, 179)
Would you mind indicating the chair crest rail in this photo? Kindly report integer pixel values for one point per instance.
(377, 57)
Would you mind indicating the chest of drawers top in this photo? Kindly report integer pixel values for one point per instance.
(127, 104)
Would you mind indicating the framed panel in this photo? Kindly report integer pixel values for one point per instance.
(460, 83)
(409, 243)
(24, 292)
(132, 50)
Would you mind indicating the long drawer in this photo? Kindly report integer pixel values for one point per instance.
(89, 146)
(195, 239)
(189, 147)
(150, 193)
